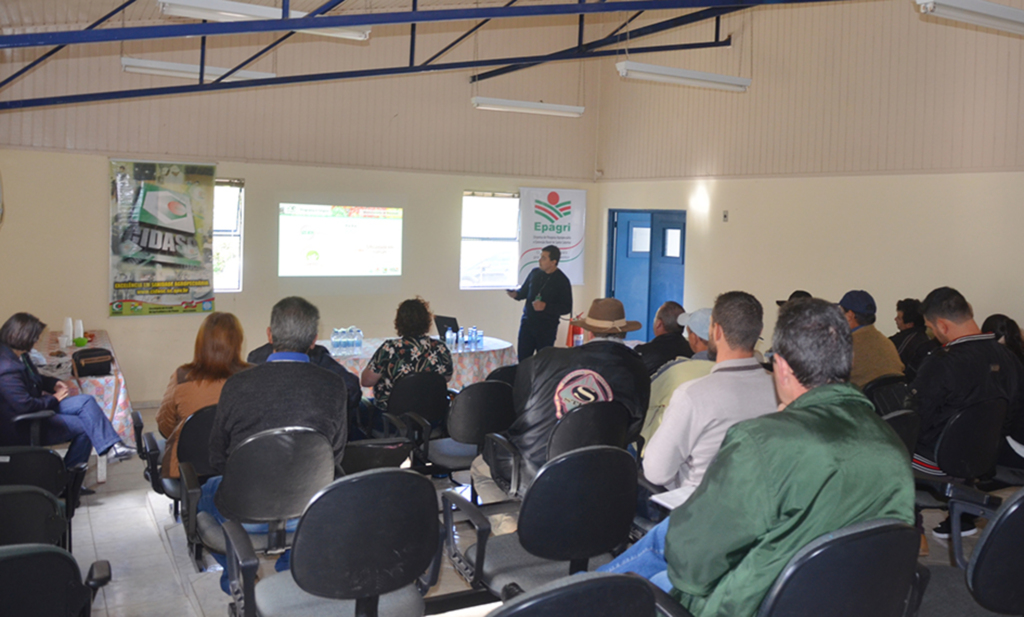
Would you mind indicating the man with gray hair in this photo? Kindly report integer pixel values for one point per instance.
(285, 391)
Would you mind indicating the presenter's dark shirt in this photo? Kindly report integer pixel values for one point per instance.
(663, 348)
(554, 289)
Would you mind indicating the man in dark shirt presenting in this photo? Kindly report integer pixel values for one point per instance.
(549, 295)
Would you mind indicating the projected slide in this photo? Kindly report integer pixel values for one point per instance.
(319, 240)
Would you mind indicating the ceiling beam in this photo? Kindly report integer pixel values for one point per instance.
(134, 33)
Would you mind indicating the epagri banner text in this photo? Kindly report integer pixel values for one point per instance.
(161, 245)
(552, 216)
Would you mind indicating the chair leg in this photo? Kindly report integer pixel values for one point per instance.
(366, 607)
(177, 509)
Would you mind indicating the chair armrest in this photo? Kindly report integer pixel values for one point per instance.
(957, 507)
(137, 428)
(35, 415)
(150, 452)
(99, 576)
(921, 577)
(429, 578)
(401, 429)
(663, 602)
(451, 501)
(497, 440)
(419, 431)
(73, 489)
(242, 564)
(191, 491)
(654, 489)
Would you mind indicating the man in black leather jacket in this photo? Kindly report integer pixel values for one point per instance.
(557, 380)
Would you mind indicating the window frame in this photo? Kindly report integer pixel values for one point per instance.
(515, 239)
(239, 233)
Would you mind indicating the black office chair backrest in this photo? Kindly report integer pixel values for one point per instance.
(37, 580)
(34, 466)
(580, 505)
(366, 534)
(907, 425)
(272, 475)
(888, 393)
(863, 569)
(598, 424)
(480, 409)
(995, 574)
(506, 374)
(425, 394)
(194, 441)
(30, 515)
(594, 594)
(375, 453)
(969, 444)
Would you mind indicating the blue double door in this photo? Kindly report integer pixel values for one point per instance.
(646, 257)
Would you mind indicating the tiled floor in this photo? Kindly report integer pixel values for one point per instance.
(130, 526)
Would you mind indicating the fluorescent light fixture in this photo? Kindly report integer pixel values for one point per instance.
(681, 77)
(226, 10)
(977, 12)
(185, 71)
(526, 107)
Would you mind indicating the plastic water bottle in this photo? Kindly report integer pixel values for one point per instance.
(479, 339)
(471, 341)
(336, 337)
(448, 338)
(359, 342)
(461, 342)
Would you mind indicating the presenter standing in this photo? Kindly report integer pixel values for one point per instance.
(549, 295)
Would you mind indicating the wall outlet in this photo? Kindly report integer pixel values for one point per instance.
(725, 216)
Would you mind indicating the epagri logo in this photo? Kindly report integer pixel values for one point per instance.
(552, 211)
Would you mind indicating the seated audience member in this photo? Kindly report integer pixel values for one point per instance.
(873, 354)
(796, 295)
(698, 325)
(78, 419)
(970, 367)
(193, 386)
(320, 356)
(556, 381)
(413, 352)
(824, 462)
(701, 411)
(912, 341)
(663, 386)
(287, 390)
(1008, 333)
(668, 342)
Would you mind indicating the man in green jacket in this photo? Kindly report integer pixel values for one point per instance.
(779, 481)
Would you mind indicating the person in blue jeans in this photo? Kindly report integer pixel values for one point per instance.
(78, 419)
(646, 558)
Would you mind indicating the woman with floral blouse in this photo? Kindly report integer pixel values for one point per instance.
(414, 352)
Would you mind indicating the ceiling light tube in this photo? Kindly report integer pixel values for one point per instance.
(526, 107)
(977, 12)
(226, 10)
(185, 71)
(681, 77)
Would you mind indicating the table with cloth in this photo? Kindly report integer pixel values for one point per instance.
(108, 390)
(470, 365)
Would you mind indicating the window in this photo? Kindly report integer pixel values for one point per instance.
(228, 214)
(490, 241)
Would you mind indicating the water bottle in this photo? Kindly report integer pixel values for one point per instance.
(479, 339)
(471, 341)
(336, 337)
(448, 338)
(462, 338)
(359, 342)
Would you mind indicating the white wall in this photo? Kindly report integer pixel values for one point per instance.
(54, 247)
(896, 236)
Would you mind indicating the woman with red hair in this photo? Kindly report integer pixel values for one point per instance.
(196, 385)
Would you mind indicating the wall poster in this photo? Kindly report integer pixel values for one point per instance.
(161, 238)
(552, 216)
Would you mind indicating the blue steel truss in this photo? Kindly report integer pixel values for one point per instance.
(316, 19)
